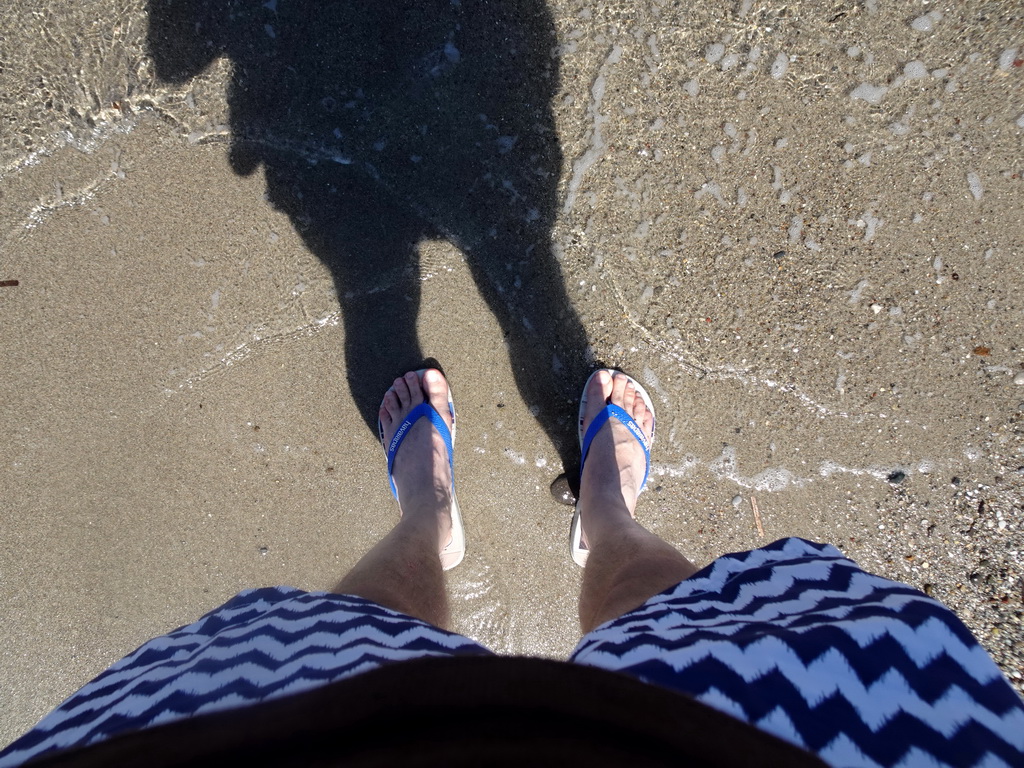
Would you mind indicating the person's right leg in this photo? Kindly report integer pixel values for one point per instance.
(403, 571)
(627, 563)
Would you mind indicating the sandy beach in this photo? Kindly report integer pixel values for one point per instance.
(799, 226)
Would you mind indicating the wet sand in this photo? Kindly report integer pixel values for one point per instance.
(822, 293)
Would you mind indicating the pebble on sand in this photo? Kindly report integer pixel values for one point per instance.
(974, 184)
(926, 22)
(872, 94)
(779, 66)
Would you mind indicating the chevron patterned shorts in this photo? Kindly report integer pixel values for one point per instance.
(792, 637)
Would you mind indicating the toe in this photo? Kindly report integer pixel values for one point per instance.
(599, 389)
(401, 391)
(415, 387)
(647, 424)
(619, 385)
(391, 407)
(635, 405)
(437, 392)
(643, 415)
(629, 397)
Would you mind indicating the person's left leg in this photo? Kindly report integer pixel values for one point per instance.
(403, 571)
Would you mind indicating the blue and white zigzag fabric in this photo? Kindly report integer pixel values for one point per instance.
(260, 645)
(797, 640)
(793, 638)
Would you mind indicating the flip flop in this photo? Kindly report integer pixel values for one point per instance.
(578, 548)
(455, 550)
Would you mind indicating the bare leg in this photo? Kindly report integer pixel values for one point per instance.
(403, 571)
(627, 563)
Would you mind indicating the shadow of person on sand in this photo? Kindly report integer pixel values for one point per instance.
(379, 125)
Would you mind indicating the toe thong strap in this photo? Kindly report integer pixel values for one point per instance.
(423, 410)
(612, 411)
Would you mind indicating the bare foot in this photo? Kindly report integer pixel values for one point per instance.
(421, 471)
(615, 465)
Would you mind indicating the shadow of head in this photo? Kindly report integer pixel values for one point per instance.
(446, 104)
(379, 125)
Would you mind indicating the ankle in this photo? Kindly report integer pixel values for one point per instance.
(609, 496)
(433, 504)
(604, 517)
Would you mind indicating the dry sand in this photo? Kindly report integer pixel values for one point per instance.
(823, 294)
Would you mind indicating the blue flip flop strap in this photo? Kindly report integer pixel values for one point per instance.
(612, 411)
(420, 411)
